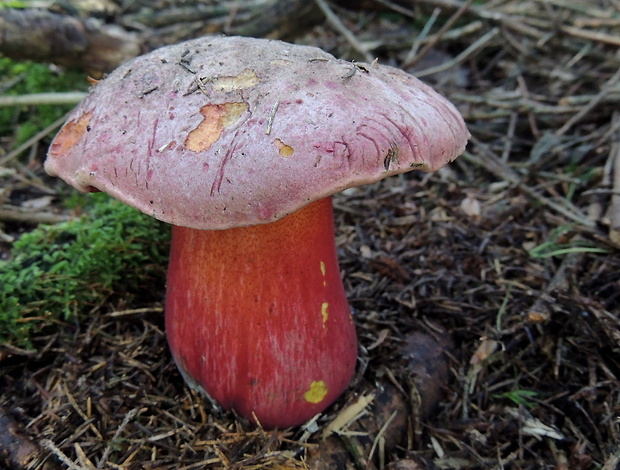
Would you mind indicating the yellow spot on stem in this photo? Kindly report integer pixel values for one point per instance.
(323, 272)
(246, 79)
(217, 117)
(283, 149)
(324, 312)
(317, 392)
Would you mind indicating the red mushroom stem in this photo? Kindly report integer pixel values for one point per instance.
(257, 316)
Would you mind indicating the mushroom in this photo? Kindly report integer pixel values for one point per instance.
(239, 144)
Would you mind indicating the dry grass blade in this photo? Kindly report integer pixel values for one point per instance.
(614, 206)
(493, 164)
(462, 57)
(335, 21)
(39, 99)
(32, 141)
(348, 415)
(438, 36)
(606, 89)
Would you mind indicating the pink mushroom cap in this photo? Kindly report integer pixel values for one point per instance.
(221, 132)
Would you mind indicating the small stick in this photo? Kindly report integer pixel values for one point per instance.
(397, 8)
(134, 311)
(612, 461)
(16, 214)
(591, 35)
(448, 24)
(559, 282)
(614, 206)
(128, 417)
(60, 455)
(512, 124)
(37, 99)
(380, 434)
(16, 449)
(33, 140)
(413, 56)
(490, 162)
(607, 87)
(473, 47)
(348, 415)
(272, 115)
(333, 19)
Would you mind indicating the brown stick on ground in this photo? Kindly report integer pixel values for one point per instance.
(65, 40)
(17, 451)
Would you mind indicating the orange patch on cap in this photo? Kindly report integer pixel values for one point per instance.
(70, 135)
(283, 149)
(217, 117)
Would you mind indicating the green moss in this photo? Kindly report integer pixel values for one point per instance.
(20, 78)
(63, 270)
(6, 4)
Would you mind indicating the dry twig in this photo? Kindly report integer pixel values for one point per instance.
(333, 19)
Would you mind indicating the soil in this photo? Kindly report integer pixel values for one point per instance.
(486, 296)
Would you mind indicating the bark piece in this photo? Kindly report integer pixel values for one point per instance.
(65, 40)
(16, 449)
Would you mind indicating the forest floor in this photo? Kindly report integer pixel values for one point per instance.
(486, 296)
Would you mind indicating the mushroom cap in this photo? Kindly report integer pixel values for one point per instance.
(221, 132)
